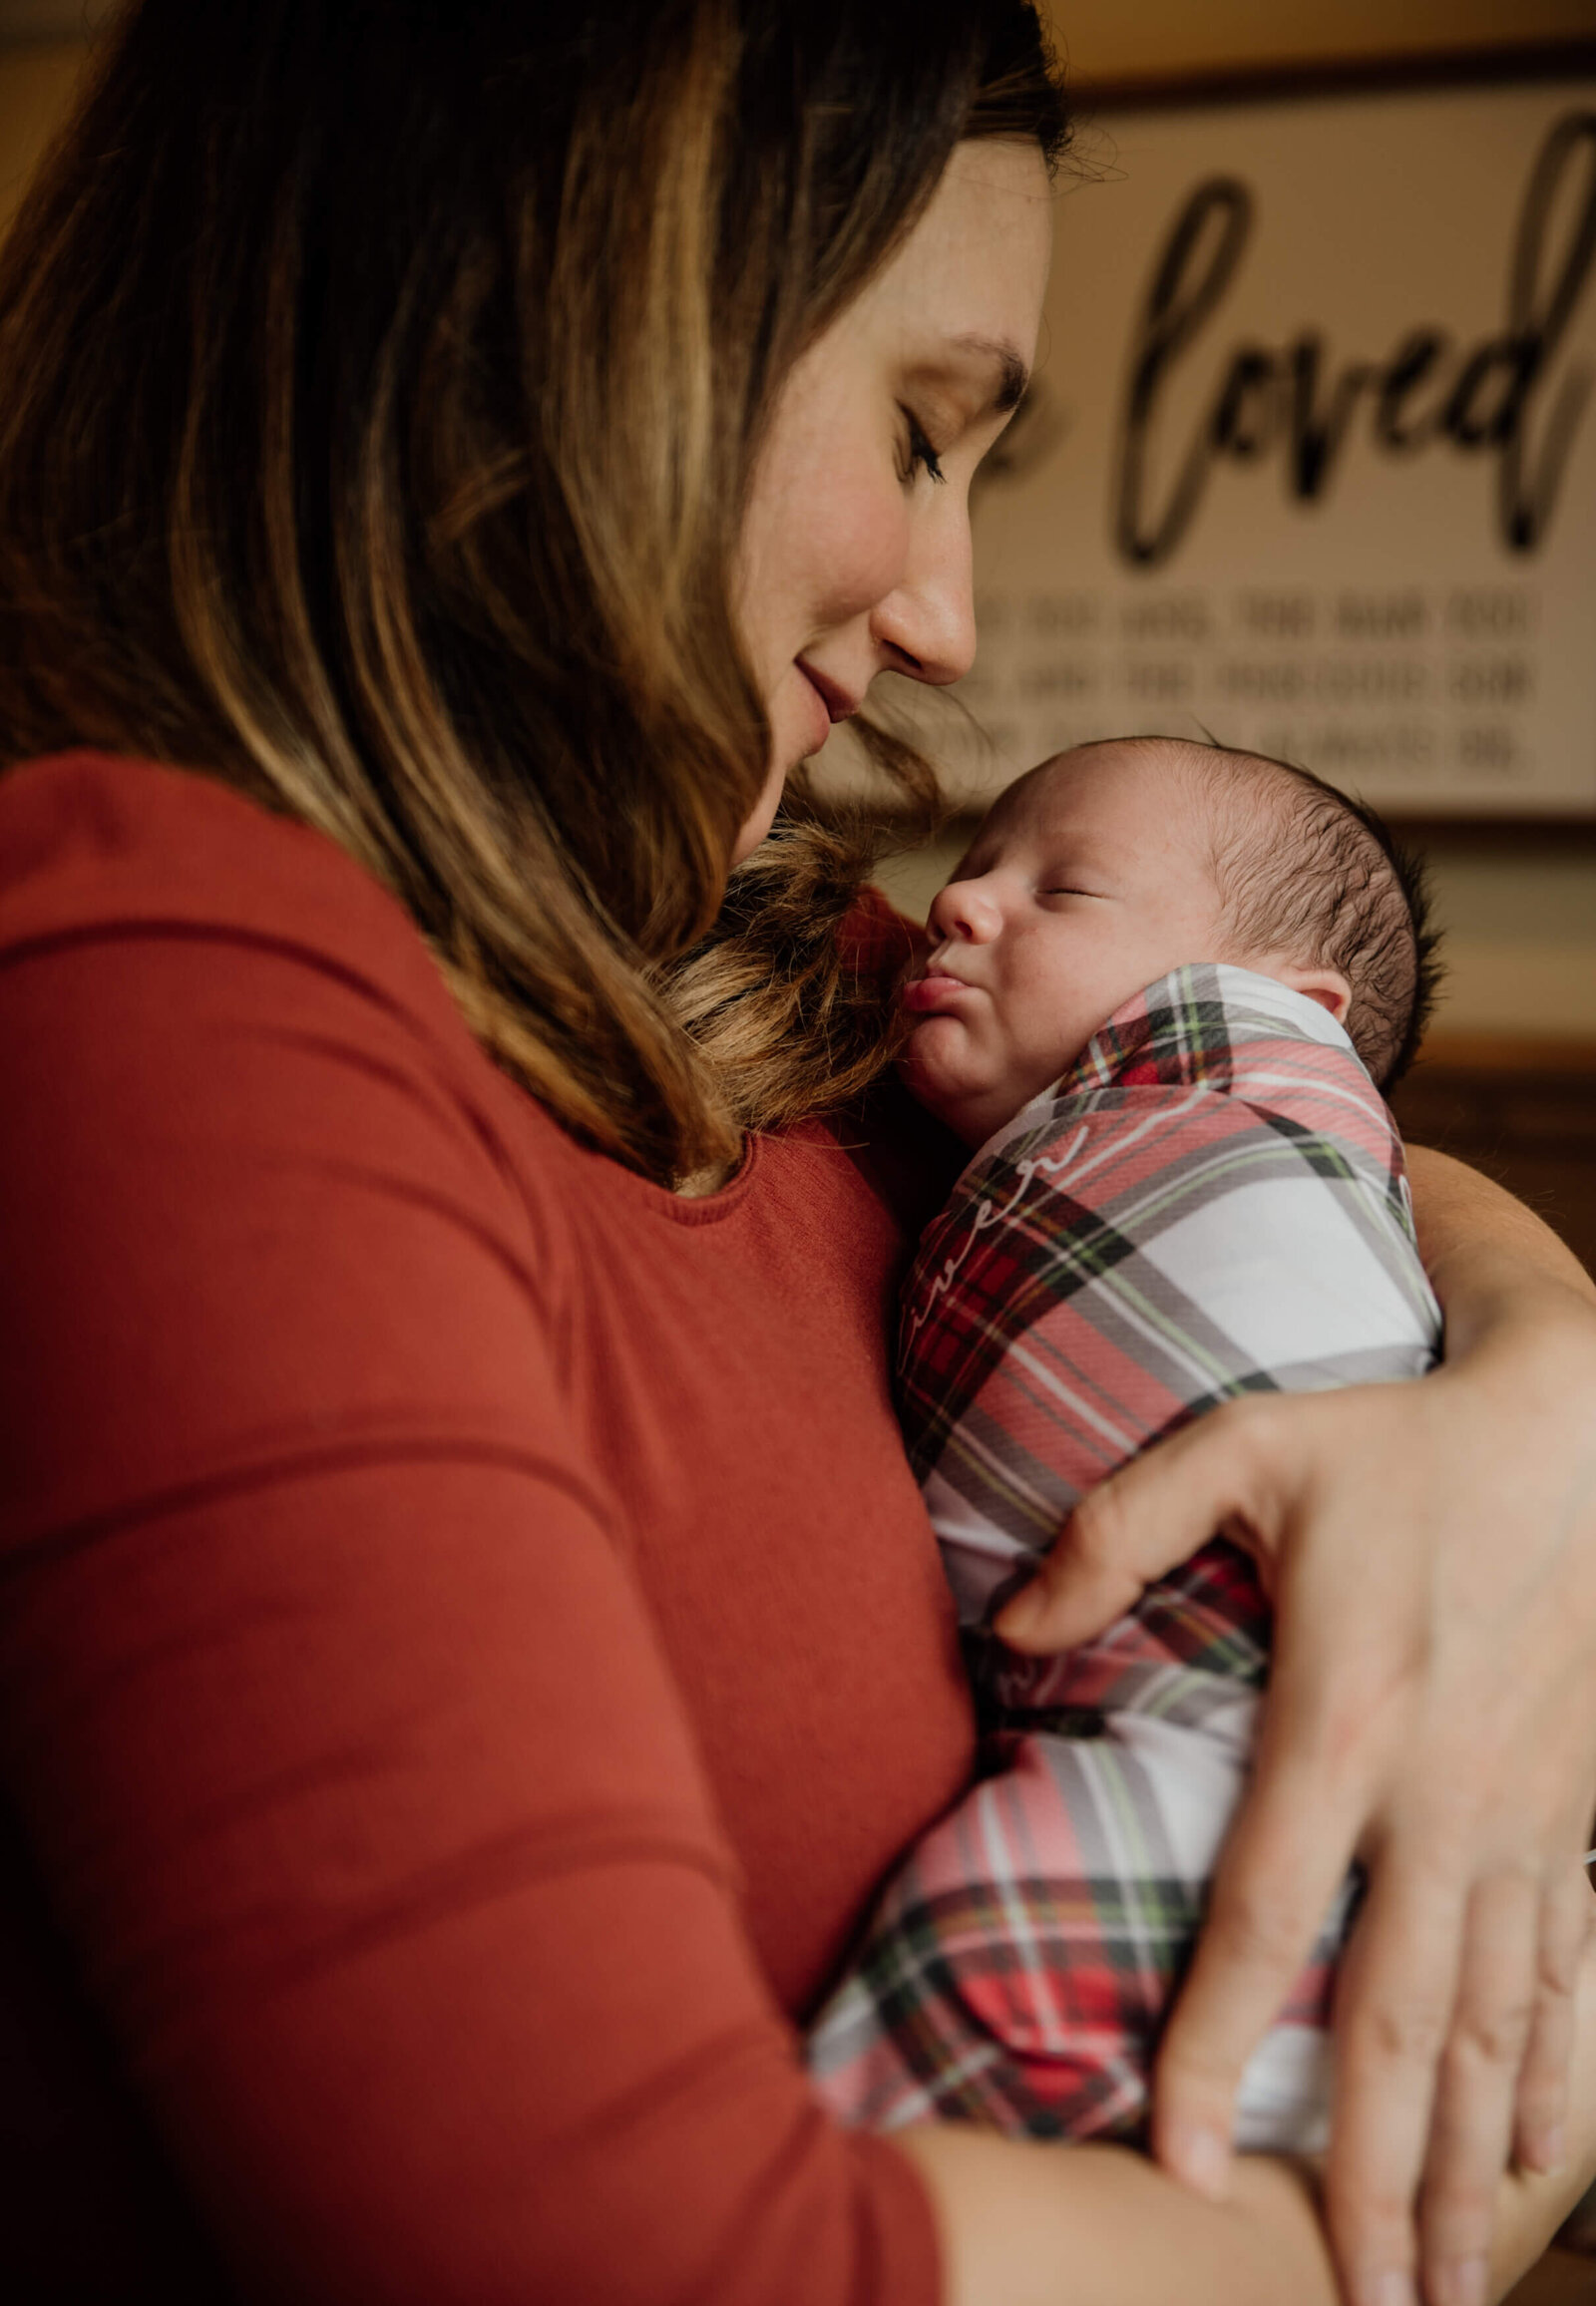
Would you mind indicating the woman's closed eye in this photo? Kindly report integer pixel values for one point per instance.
(919, 452)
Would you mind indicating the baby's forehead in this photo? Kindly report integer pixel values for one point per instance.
(1134, 796)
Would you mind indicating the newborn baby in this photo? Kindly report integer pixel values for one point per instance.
(1165, 983)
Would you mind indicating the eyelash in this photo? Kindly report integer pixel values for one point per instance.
(921, 451)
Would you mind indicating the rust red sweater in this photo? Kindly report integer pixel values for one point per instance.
(470, 1643)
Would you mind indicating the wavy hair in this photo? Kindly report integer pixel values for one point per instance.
(380, 382)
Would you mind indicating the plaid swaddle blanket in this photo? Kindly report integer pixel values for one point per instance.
(1211, 1202)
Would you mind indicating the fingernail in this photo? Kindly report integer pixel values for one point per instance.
(1202, 2159)
(1391, 2288)
(1465, 2284)
(1547, 2151)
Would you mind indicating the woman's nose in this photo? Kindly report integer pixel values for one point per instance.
(925, 626)
(965, 910)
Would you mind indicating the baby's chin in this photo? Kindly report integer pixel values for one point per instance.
(936, 1072)
(973, 1112)
(931, 1083)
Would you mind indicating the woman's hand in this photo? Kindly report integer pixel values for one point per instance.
(1430, 1550)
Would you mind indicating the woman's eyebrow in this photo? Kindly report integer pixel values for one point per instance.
(973, 363)
(1013, 374)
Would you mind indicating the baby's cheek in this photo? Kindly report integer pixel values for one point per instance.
(1047, 999)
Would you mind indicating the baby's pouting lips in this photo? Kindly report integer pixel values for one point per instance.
(935, 988)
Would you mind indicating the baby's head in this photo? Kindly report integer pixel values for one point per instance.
(1107, 867)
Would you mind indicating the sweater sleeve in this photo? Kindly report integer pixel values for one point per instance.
(347, 1755)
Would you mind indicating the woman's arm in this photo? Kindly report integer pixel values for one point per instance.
(1099, 2225)
(1476, 1242)
(1432, 1551)
(1028, 2225)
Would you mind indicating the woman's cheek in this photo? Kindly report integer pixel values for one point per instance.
(861, 536)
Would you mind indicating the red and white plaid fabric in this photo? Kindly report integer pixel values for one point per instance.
(1211, 1202)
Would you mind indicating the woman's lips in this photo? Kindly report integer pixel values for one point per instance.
(935, 990)
(839, 702)
(836, 702)
(822, 718)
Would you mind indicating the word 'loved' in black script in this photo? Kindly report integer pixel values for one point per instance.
(1497, 396)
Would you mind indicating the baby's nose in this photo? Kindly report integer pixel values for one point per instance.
(965, 908)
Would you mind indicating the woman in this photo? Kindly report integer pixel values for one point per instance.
(470, 1642)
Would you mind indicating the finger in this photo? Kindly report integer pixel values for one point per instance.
(1472, 2124)
(1136, 1526)
(1567, 1907)
(1273, 1889)
(1394, 2005)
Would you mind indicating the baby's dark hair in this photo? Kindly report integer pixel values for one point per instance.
(1317, 874)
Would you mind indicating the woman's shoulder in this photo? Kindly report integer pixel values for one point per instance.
(100, 849)
(170, 946)
(97, 845)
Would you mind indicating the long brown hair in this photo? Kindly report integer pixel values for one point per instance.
(379, 386)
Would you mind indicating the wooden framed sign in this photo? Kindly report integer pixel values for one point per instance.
(1312, 458)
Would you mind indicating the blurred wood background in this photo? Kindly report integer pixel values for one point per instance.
(1521, 1109)
(1561, 2279)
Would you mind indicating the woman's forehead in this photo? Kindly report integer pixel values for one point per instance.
(972, 273)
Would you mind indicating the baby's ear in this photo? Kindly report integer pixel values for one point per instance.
(1326, 985)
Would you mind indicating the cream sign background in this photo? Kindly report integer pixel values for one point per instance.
(1313, 462)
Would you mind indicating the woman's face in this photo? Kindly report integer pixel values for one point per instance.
(855, 554)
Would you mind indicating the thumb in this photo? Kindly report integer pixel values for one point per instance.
(1136, 1526)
